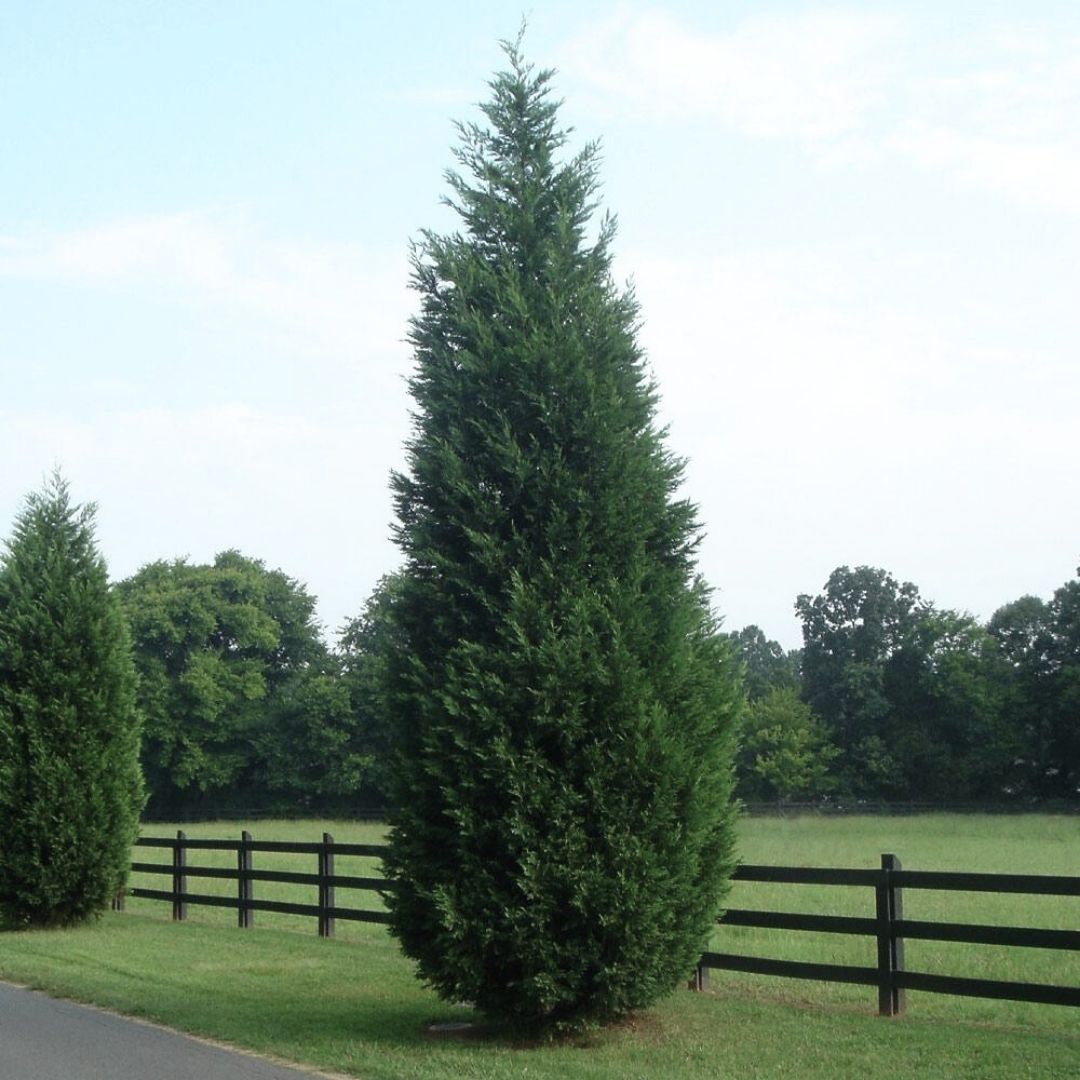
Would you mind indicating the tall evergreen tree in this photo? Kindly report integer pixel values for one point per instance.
(70, 786)
(561, 702)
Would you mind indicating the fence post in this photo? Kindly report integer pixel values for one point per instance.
(890, 946)
(179, 878)
(326, 888)
(245, 885)
(699, 981)
(890, 863)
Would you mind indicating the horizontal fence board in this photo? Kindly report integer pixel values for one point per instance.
(280, 907)
(356, 915)
(988, 935)
(194, 845)
(149, 894)
(286, 877)
(792, 969)
(287, 847)
(186, 898)
(372, 851)
(786, 920)
(283, 907)
(220, 872)
(806, 875)
(989, 988)
(376, 884)
(1036, 884)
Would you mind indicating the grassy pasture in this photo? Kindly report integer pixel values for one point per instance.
(352, 1004)
(1028, 844)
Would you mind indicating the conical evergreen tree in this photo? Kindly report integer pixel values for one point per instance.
(561, 701)
(70, 786)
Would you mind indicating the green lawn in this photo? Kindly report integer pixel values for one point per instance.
(352, 1005)
(1027, 844)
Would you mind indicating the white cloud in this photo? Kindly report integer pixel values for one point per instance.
(828, 421)
(296, 472)
(1004, 121)
(994, 109)
(340, 297)
(811, 75)
(1041, 173)
(308, 494)
(186, 246)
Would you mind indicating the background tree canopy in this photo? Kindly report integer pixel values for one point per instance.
(250, 708)
(904, 700)
(243, 701)
(925, 703)
(766, 666)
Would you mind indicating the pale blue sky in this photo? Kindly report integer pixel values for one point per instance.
(853, 230)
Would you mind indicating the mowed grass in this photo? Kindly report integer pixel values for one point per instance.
(1028, 844)
(1022, 844)
(352, 1004)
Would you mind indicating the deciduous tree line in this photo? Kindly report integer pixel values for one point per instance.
(891, 697)
(894, 698)
(246, 707)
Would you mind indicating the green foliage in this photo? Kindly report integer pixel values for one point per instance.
(850, 633)
(785, 752)
(242, 699)
(311, 750)
(1065, 736)
(945, 721)
(1023, 631)
(70, 786)
(562, 704)
(909, 692)
(766, 666)
(1039, 646)
(363, 651)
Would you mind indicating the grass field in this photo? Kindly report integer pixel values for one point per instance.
(352, 1005)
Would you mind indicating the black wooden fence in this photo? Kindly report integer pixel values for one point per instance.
(887, 927)
(890, 929)
(325, 880)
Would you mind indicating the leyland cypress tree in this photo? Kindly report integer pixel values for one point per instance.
(70, 786)
(560, 699)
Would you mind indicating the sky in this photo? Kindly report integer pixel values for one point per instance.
(853, 229)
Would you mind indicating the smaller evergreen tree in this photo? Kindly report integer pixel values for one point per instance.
(70, 785)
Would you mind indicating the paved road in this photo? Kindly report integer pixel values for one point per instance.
(44, 1039)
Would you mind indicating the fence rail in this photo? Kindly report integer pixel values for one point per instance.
(325, 880)
(887, 926)
(890, 929)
